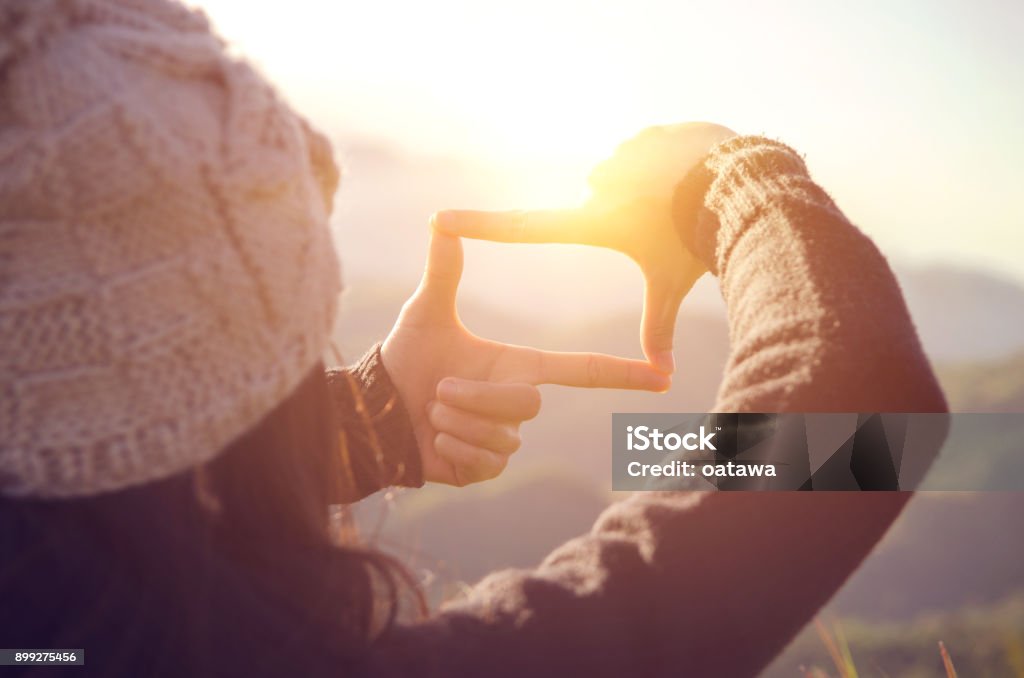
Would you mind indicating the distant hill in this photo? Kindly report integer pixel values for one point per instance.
(964, 314)
(947, 550)
(963, 317)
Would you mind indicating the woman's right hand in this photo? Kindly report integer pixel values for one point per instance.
(467, 396)
(630, 211)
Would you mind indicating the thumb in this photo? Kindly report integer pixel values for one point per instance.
(661, 306)
(443, 271)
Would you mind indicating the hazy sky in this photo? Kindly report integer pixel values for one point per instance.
(910, 113)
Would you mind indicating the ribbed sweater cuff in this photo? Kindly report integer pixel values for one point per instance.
(382, 442)
(739, 176)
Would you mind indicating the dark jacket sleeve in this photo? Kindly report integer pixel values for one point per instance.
(717, 584)
(376, 437)
(817, 322)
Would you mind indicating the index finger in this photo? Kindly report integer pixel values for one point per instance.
(590, 370)
(570, 226)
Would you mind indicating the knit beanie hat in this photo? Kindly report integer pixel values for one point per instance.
(167, 275)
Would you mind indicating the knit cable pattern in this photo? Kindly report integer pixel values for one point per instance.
(166, 270)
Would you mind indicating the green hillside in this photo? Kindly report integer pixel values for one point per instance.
(982, 640)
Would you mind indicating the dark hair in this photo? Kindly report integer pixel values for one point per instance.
(233, 568)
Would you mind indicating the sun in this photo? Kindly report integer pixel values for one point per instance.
(495, 85)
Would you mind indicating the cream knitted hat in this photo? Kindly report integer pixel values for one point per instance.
(167, 275)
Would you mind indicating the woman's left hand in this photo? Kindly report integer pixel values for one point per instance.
(630, 211)
(467, 396)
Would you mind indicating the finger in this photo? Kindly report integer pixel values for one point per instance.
(575, 226)
(497, 436)
(509, 402)
(471, 464)
(658, 326)
(590, 370)
(440, 283)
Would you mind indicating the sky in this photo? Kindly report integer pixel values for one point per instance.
(909, 113)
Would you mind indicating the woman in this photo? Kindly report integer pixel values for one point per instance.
(170, 441)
